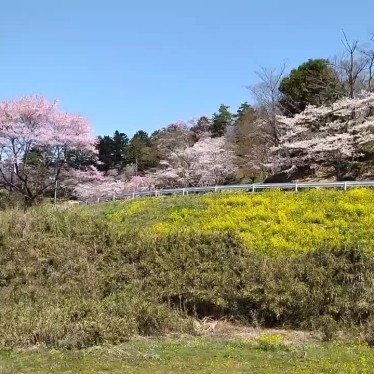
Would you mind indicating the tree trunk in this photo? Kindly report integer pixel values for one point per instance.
(28, 203)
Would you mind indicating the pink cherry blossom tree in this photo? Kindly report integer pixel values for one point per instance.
(207, 162)
(91, 185)
(212, 161)
(330, 136)
(88, 184)
(36, 141)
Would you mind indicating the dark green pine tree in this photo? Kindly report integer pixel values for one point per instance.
(120, 144)
(105, 151)
(313, 83)
(244, 112)
(221, 121)
(138, 149)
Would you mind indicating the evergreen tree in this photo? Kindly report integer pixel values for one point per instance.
(113, 152)
(141, 151)
(105, 150)
(221, 121)
(244, 112)
(120, 146)
(312, 83)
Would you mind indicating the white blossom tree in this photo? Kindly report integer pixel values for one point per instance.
(209, 161)
(212, 161)
(333, 136)
(172, 145)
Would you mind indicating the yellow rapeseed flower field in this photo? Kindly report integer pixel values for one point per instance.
(275, 223)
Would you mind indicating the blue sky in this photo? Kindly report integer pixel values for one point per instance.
(144, 64)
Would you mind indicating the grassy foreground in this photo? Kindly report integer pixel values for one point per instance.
(195, 356)
(89, 276)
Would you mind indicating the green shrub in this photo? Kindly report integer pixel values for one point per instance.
(76, 278)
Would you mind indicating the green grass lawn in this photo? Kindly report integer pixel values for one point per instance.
(200, 355)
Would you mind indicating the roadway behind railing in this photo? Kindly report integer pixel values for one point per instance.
(238, 187)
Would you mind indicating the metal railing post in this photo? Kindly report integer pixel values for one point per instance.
(296, 187)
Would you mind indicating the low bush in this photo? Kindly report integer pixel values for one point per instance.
(76, 278)
(271, 343)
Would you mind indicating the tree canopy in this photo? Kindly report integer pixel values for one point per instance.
(36, 143)
(314, 82)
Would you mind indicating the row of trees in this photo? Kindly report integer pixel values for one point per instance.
(144, 151)
(253, 130)
(314, 122)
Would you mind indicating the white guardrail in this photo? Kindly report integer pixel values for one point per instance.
(237, 187)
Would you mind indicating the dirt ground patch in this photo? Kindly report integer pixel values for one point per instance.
(223, 329)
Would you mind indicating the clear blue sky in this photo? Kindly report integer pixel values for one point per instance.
(143, 64)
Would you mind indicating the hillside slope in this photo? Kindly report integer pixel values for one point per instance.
(274, 223)
(93, 275)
